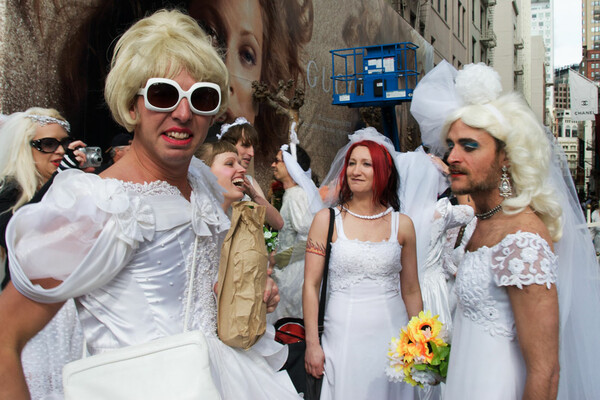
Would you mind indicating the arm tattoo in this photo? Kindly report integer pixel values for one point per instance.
(315, 248)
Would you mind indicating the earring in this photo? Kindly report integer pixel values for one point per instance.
(505, 187)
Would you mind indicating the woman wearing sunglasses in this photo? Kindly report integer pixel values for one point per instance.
(125, 241)
(32, 146)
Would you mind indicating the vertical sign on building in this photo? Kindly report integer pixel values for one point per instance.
(584, 97)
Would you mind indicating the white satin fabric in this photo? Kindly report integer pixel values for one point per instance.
(124, 251)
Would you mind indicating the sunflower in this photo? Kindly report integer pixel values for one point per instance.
(425, 328)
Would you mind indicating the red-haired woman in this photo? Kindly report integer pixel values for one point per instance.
(373, 256)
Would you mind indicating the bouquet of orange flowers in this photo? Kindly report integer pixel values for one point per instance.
(420, 355)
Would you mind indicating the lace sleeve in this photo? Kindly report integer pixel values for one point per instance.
(522, 259)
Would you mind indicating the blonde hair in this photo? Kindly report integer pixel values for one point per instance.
(17, 167)
(161, 45)
(528, 149)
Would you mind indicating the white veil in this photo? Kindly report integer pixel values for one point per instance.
(302, 179)
(578, 281)
(578, 290)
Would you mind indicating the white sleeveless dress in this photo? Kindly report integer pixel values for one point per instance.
(364, 311)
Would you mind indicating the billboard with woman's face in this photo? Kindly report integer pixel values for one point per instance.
(58, 53)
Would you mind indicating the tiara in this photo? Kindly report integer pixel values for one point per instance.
(226, 127)
(45, 120)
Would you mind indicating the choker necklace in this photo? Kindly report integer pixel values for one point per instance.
(490, 213)
(376, 216)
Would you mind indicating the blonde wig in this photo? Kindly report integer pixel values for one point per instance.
(161, 46)
(510, 120)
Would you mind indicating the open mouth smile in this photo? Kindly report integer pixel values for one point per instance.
(238, 182)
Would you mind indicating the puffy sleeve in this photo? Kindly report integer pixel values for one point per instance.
(82, 233)
(524, 259)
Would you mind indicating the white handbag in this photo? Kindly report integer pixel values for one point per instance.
(173, 367)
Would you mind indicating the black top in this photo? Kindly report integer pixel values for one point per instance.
(8, 197)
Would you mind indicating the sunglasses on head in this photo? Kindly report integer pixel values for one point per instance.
(49, 145)
(164, 95)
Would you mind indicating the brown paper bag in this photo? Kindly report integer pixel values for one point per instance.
(242, 314)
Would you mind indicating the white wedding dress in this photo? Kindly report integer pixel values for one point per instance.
(297, 219)
(364, 311)
(485, 359)
(433, 279)
(124, 252)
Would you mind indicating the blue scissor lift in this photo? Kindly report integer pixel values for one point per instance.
(375, 76)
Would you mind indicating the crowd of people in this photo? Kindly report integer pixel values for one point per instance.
(483, 231)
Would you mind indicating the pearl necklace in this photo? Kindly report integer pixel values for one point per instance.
(376, 216)
(490, 213)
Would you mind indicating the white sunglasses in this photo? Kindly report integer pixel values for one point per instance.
(164, 95)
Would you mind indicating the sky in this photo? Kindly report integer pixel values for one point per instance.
(567, 32)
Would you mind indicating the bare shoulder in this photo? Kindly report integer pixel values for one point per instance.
(492, 231)
(404, 221)
(527, 221)
(322, 217)
(320, 226)
(320, 221)
(406, 229)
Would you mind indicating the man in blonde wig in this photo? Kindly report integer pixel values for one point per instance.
(529, 240)
(123, 243)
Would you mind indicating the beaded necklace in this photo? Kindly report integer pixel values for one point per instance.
(376, 216)
(490, 213)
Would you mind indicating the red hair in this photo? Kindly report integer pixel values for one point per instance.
(385, 176)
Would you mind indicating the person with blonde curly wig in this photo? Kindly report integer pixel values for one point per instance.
(528, 242)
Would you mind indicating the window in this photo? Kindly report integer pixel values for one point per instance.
(446, 10)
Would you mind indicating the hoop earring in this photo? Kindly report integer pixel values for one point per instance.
(505, 187)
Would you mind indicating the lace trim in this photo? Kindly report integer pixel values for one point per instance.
(524, 259)
(354, 261)
(154, 188)
(519, 259)
(204, 306)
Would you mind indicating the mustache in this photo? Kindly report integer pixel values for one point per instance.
(457, 170)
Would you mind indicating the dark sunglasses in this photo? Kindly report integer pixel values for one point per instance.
(49, 145)
(164, 95)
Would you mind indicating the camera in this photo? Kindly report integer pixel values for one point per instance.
(93, 156)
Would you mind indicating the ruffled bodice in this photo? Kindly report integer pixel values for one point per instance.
(130, 254)
(519, 260)
(353, 261)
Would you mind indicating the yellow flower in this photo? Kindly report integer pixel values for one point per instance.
(425, 328)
